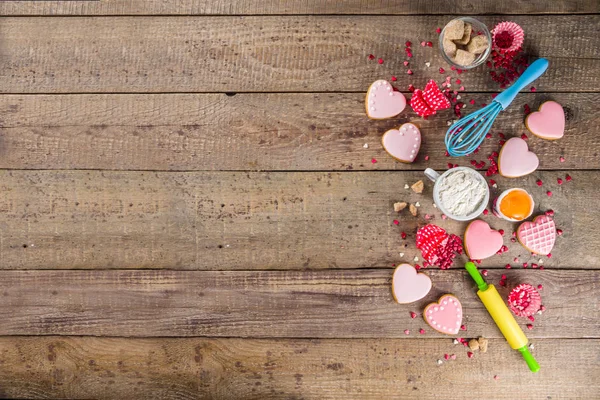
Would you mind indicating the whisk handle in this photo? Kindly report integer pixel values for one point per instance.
(534, 71)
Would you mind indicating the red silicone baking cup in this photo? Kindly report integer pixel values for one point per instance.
(507, 36)
(524, 300)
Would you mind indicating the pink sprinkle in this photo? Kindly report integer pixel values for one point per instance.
(444, 216)
(380, 61)
(533, 89)
(540, 287)
(543, 307)
(470, 354)
(427, 217)
(463, 328)
(371, 56)
(396, 222)
(423, 44)
(562, 159)
(462, 88)
(549, 193)
(422, 331)
(496, 377)
(394, 79)
(534, 265)
(373, 161)
(409, 72)
(426, 158)
(407, 332)
(507, 266)
(525, 265)
(405, 63)
(568, 178)
(442, 70)
(559, 232)
(539, 182)
(438, 30)
(559, 181)
(524, 137)
(486, 212)
(484, 272)
(403, 235)
(413, 314)
(530, 326)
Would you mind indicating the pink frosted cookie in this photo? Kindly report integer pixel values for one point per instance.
(481, 241)
(403, 143)
(548, 122)
(445, 316)
(539, 235)
(408, 285)
(516, 160)
(382, 101)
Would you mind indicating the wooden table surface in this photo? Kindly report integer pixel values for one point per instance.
(188, 209)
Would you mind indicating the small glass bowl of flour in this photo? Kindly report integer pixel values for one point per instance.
(461, 193)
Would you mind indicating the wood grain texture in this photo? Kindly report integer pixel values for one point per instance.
(247, 221)
(300, 131)
(252, 7)
(54, 367)
(296, 304)
(265, 54)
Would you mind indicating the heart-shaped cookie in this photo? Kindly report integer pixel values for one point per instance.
(548, 122)
(383, 102)
(445, 316)
(481, 241)
(408, 285)
(403, 143)
(516, 160)
(539, 235)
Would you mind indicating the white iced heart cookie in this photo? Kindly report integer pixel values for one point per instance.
(382, 101)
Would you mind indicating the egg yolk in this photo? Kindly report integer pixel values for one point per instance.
(516, 205)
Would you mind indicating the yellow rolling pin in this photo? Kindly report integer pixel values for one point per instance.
(502, 317)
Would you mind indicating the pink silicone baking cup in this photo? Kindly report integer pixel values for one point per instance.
(524, 300)
(514, 30)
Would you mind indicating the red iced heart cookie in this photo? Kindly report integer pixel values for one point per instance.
(403, 143)
(445, 316)
(516, 160)
(548, 122)
(383, 102)
(408, 285)
(481, 241)
(539, 235)
(419, 105)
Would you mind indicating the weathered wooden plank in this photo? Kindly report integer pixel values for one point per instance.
(298, 304)
(253, 7)
(265, 54)
(230, 220)
(84, 367)
(301, 131)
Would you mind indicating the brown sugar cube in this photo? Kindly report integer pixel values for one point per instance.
(449, 47)
(399, 206)
(483, 344)
(454, 30)
(413, 210)
(464, 57)
(418, 187)
(466, 36)
(478, 44)
(473, 344)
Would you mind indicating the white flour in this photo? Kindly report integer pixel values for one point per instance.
(461, 192)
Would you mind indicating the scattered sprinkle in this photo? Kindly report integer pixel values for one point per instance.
(405, 63)
(559, 181)
(413, 314)
(549, 193)
(396, 222)
(380, 61)
(422, 331)
(394, 79)
(562, 159)
(426, 158)
(403, 235)
(484, 272)
(371, 56)
(409, 72)
(507, 266)
(439, 362)
(417, 204)
(524, 137)
(531, 346)
(407, 332)
(442, 70)
(486, 212)
(496, 377)
(470, 354)
(559, 232)
(463, 328)
(539, 182)
(416, 259)
(455, 341)
(446, 356)
(429, 44)
(365, 146)
(533, 89)
(401, 254)
(408, 43)
(406, 186)
(438, 30)
(501, 231)
(453, 356)
(568, 178)
(428, 64)
(529, 326)
(540, 287)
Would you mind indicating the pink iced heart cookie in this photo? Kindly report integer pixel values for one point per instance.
(516, 160)
(481, 241)
(445, 316)
(383, 102)
(408, 285)
(548, 122)
(539, 235)
(403, 143)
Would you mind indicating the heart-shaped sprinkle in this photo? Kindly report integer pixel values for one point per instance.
(481, 241)
(403, 143)
(539, 235)
(445, 316)
(516, 160)
(408, 285)
(548, 122)
(382, 101)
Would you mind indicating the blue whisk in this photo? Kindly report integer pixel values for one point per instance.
(467, 133)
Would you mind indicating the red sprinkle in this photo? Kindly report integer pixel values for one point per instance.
(549, 213)
(429, 44)
(484, 272)
(559, 181)
(371, 56)
(405, 63)
(501, 231)
(422, 331)
(470, 354)
(507, 266)
(539, 182)
(534, 265)
(559, 232)
(533, 89)
(426, 158)
(568, 178)
(408, 43)
(503, 277)
(502, 283)
(380, 61)
(540, 287)
(438, 30)
(525, 265)
(403, 235)
(396, 222)
(458, 81)
(394, 79)
(409, 72)
(531, 318)
(543, 307)
(530, 326)
(373, 161)
(486, 212)
(549, 255)
(472, 101)
(524, 137)
(442, 70)
(413, 314)
(549, 193)
(463, 328)
(446, 356)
